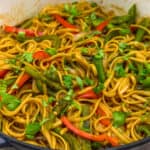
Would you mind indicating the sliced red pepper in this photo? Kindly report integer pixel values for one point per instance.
(90, 94)
(12, 29)
(102, 25)
(99, 138)
(3, 73)
(64, 22)
(25, 77)
(104, 122)
(39, 55)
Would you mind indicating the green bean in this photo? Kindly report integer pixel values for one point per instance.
(39, 85)
(86, 112)
(111, 35)
(146, 82)
(10, 81)
(54, 38)
(51, 119)
(140, 32)
(38, 76)
(120, 19)
(61, 107)
(98, 62)
(132, 13)
(86, 144)
(26, 24)
(73, 141)
(128, 19)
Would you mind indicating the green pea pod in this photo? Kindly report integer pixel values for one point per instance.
(140, 32)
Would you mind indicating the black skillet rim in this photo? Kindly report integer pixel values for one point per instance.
(9, 140)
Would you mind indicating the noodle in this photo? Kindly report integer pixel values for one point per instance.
(65, 64)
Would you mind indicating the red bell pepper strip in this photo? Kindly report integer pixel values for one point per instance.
(39, 55)
(3, 73)
(90, 94)
(99, 138)
(12, 29)
(102, 25)
(25, 77)
(64, 22)
(104, 122)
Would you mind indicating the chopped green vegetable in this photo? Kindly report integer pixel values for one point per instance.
(84, 50)
(51, 51)
(21, 37)
(99, 88)
(71, 9)
(110, 26)
(69, 95)
(10, 101)
(51, 99)
(3, 86)
(122, 46)
(32, 129)
(119, 118)
(95, 20)
(45, 17)
(71, 19)
(119, 70)
(96, 145)
(79, 82)
(145, 129)
(93, 4)
(146, 82)
(27, 56)
(67, 79)
(88, 81)
(125, 31)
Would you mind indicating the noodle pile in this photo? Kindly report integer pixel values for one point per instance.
(36, 92)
